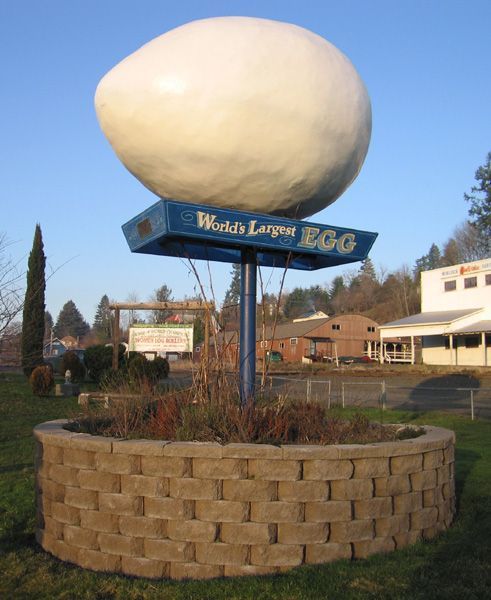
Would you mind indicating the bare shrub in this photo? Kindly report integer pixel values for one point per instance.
(42, 380)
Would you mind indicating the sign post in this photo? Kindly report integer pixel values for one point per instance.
(247, 340)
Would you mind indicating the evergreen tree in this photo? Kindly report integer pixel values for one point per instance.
(427, 262)
(48, 325)
(70, 322)
(162, 294)
(337, 286)
(480, 209)
(367, 268)
(103, 320)
(232, 295)
(34, 306)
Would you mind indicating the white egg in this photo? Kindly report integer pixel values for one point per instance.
(239, 112)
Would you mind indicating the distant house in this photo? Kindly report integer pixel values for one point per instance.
(54, 348)
(314, 339)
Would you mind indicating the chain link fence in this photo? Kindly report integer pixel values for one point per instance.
(471, 401)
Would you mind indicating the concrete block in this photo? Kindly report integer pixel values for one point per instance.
(392, 486)
(249, 490)
(308, 452)
(219, 468)
(161, 466)
(352, 489)
(407, 538)
(424, 518)
(248, 570)
(64, 475)
(367, 468)
(118, 504)
(138, 566)
(168, 550)
(248, 533)
(113, 543)
(408, 503)
(80, 459)
(219, 553)
(52, 454)
(323, 553)
(67, 553)
(404, 465)
(365, 548)
(99, 482)
(80, 537)
(99, 561)
(92, 443)
(373, 508)
(328, 512)
(388, 526)
(192, 531)
(222, 511)
(352, 531)
(277, 555)
(65, 514)
(424, 480)
(87, 499)
(139, 447)
(303, 491)
(52, 490)
(194, 449)
(276, 512)
(99, 521)
(322, 470)
(142, 485)
(195, 489)
(432, 459)
(262, 451)
(303, 533)
(142, 527)
(54, 528)
(168, 508)
(275, 470)
(429, 498)
(121, 464)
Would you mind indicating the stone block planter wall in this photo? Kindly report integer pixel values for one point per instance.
(185, 509)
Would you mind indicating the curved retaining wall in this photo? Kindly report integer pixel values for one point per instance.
(198, 510)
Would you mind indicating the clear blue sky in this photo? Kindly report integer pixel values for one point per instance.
(426, 65)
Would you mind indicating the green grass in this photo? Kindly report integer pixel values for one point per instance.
(455, 565)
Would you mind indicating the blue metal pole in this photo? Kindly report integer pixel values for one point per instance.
(247, 356)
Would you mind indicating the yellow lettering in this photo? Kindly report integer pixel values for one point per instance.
(331, 241)
(346, 243)
(308, 237)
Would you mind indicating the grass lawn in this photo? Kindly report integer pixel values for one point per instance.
(455, 565)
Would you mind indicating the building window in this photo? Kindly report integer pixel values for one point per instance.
(447, 343)
(336, 327)
(451, 285)
(371, 329)
(488, 341)
(470, 282)
(488, 278)
(293, 341)
(281, 345)
(472, 341)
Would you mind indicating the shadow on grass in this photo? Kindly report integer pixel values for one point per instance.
(466, 544)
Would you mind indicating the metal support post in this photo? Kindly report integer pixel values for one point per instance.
(247, 356)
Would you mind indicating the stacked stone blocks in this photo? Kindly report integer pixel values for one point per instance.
(196, 510)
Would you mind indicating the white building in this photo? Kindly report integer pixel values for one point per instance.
(455, 319)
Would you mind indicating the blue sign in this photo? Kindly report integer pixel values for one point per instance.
(172, 228)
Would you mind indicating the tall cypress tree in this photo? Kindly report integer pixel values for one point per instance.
(33, 316)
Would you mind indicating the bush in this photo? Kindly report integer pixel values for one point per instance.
(99, 358)
(42, 380)
(71, 362)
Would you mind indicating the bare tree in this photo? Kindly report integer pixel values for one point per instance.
(11, 288)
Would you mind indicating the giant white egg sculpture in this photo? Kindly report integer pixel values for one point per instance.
(239, 112)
